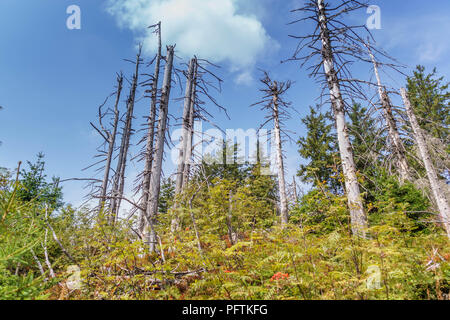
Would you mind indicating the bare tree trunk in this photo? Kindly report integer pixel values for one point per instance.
(189, 147)
(128, 132)
(357, 213)
(55, 237)
(280, 163)
(155, 180)
(279, 109)
(39, 264)
(185, 129)
(439, 195)
(111, 144)
(184, 141)
(47, 260)
(294, 189)
(230, 219)
(194, 223)
(119, 182)
(150, 134)
(397, 144)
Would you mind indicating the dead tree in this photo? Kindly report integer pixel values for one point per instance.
(198, 85)
(294, 191)
(185, 137)
(39, 264)
(438, 193)
(155, 179)
(273, 101)
(44, 247)
(111, 140)
(148, 155)
(119, 178)
(109, 136)
(188, 105)
(190, 137)
(204, 81)
(337, 46)
(394, 136)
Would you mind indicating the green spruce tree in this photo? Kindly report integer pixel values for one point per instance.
(36, 187)
(319, 147)
(167, 195)
(430, 99)
(365, 138)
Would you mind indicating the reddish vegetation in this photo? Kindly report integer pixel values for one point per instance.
(279, 275)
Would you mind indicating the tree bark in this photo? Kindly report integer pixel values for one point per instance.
(397, 143)
(39, 264)
(185, 128)
(47, 260)
(111, 144)
(155, 179)
(280, 163)
(189, 147)
(294, 189)
(357, 213)
(119, 182)
(439, 195)
(183, 141)
(230, 220)
(150, 134)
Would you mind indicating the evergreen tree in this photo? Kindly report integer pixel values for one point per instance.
(263, 187)
(167, 195)
(36, 188)
(226, 164)
(430, 100)
(364, 138)
(319, 147)
(367, 144)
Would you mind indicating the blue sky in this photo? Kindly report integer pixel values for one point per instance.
(52, 79)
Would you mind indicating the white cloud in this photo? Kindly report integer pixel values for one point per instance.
(211, 29)
(245, 78)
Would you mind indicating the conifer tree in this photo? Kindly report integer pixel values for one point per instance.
(319, 147)
(37, 188)
(430, 100)
(225, 165)
(166, 196)
(364, 138)
(367, 144)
